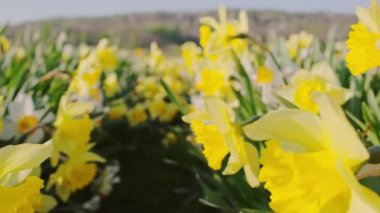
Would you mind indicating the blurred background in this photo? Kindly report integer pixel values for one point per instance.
(137, 23)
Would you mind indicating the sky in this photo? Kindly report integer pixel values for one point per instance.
(17, 11)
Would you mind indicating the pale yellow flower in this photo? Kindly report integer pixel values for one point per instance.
(137, 115)
(214, 129)
(305, 83)
(312, 170)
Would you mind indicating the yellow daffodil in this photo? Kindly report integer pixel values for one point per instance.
(111, 85)
(169, 139)
(72, 138)
(19, 189)
(191, 55)
(176, 85)
(370, 16)
(74, 128)
(214, 129)
(305, 39)
(5, 44)
(156, 56)
(117, 110)
(305, 83)
(106, 56)
(364, 49)
(217, 37)
(298, 43)
(159, 108)
(149, 87)
(312, 170)
(77, 172)
(292, 45)
(264, 75)
(212, 82)
(137, 115)
(20, 54)
(364, 39)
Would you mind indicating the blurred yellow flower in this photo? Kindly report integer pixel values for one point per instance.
(106, 56)
(20, 54)
(298, 42)
(5, 44)
(75, 173)
(137, 115)
(73, 131)
(305, 39)
(264, 75)
(217, 38)
(191, 55)
(111, 85)
(170, 139)
(214, 129)
(212, 82)
(117, 110)
(305, 83)
(149, 87)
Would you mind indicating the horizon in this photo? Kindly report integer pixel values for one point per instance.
(20, 11)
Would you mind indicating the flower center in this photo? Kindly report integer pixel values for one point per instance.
(27, 123)
(81, 176)
(303, 94)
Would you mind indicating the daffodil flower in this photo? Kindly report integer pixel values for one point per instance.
(305, 83)
(74, 128)
(137, 115)
(5, 44)
(76, 173)
(24, 119)
(216, 37)
(298, 44)
(214, 129)
(19, 188)
(106, 56)
(364, 40)
(164, 111)
(309, 163)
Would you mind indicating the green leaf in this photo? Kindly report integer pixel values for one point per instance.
(373, 105)
(172, 97)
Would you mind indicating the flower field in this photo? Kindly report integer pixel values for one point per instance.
(230, 123)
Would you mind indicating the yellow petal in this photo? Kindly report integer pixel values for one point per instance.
(21, 198)
(342, 137)
(362, 199)
(281, 125)
(251, 166)
(214, 146)
(234, 165)
(24, 156)
(47, 204)
(218, 113)
(325, 71)
(370, 17)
